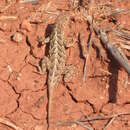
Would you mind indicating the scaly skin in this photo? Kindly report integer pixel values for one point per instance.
(56, 59)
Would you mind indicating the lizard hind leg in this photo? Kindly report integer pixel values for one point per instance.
(69, 72)
(70, 44)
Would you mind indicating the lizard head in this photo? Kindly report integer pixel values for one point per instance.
(62, 19)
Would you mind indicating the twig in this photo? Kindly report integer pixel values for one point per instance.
(83, 125)
(90, 119)
(125, 46)
(122, 34)
(119, 11)
(86, 51)
(8, 17)
(9, 124)
(112, 118)
(85, 55)
(78, 122)
(104, 117)
(98, 118)
(28, 1)
(116, 52)
(109, 123)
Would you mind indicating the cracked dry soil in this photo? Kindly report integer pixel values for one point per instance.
(23, 93)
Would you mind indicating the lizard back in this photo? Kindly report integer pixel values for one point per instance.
(57, 54)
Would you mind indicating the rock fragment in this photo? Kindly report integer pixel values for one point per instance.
(17, 37)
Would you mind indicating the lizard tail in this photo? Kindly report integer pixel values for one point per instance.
(49, 108)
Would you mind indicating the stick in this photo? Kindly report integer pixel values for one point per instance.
(9, 124)
(8, 17)
(83, 125)
(90, 119)
(109, 123)
(85, 55)
(122, 34)
(116, 52)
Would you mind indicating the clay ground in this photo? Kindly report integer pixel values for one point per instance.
(101, 102)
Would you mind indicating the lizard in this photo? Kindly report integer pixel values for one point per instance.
(55, 62)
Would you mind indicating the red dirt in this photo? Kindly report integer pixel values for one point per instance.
(23, 93)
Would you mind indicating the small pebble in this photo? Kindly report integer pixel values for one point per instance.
(17, 37)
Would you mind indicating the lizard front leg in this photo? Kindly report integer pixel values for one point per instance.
(44, 65)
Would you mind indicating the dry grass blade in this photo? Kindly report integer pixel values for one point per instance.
(8, 17)
(125, 46)
(111, 118)
(104, 117)
(119, 11)
(86, 51)
(78, 122)
(122, 34)
(109, 123)
(85, 55)
(83, 125)
(9, 124)
(28, 1)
